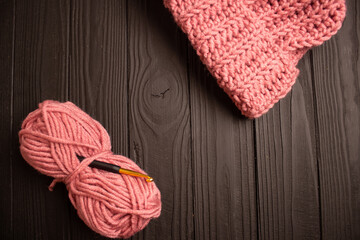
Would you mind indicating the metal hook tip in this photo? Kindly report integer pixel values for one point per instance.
(149, 179)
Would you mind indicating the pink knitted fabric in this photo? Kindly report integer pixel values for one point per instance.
(252, 46)
(113, 205)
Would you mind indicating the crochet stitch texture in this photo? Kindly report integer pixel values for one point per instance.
(252, 47)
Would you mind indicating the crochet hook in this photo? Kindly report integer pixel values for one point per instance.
(115, 169)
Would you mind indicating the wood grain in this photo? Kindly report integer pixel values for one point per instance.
(40, 72)
(159, 115)
(224, 161)
(288, 199)
(291, 174)
(98, 75)
(99, 65)
(6, 72)
(337, 91)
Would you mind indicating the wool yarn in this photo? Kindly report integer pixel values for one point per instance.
(252, 47)
(113, 205)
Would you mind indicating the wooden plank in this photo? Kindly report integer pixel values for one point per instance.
(40, 72)
(6, 73)
(288, 200)
(337, 88)
(159, 115)
(98, 75)
(224, 161)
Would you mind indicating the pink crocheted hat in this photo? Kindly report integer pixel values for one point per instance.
(252, 46)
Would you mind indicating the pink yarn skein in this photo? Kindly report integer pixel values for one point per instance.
(113, 205)
(252, 47)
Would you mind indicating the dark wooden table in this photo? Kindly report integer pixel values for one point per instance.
(293, 173)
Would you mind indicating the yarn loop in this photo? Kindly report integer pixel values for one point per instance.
(113, 205)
